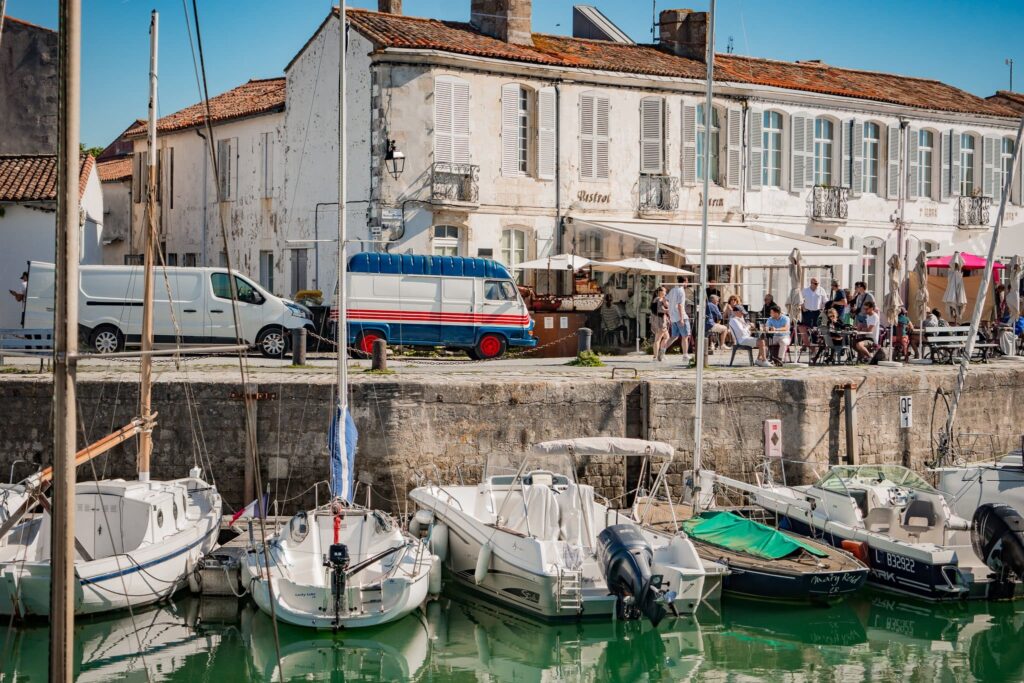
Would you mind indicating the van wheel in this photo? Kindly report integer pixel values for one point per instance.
(272, 342)
(106, 339)
(364, 343)
(490, 346)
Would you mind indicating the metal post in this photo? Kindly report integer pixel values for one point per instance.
(380, 356)
(698, 411)
(299, 346)
(583, 337)
(62, 513)
(148, 251)
(851, 423)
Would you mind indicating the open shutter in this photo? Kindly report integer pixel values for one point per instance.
(989, 164)
(1018, 183)
(689, 144)
(137, 177)
(798, 152)
(652, 138)
(734, 147)
(857, 150)
(754, 174)
(546, 133)
(892, 168)
(510, 130)
(586, 137)
(460, 122)
(602, 106)
(945, 172)
(954, 163)
(442, 120)
(913, 182)
(845, 179)
(809, 152)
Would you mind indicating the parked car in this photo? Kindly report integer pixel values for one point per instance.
(471, 304)
(191, 306)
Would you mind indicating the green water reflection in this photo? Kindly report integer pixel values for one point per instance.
(873, 638)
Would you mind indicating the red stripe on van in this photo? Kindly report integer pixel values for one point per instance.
(434, 316)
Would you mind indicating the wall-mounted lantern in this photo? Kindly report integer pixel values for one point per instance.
(394, 160)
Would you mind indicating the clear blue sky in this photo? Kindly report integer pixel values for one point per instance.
(960, 42)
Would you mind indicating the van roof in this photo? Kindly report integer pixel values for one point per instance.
(418, 264)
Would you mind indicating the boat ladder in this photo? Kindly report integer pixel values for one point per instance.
(569, 591)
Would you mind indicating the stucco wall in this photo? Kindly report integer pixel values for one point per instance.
(28, 81)
(117, 218)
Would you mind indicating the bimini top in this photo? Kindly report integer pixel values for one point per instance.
(417, 264)
(606, 445)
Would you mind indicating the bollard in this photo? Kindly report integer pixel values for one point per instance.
(380, 355)
(583, 336)
(299, 346)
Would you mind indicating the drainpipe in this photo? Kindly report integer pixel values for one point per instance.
(558, 181)
(206, 166)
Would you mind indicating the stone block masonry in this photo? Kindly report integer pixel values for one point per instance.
(441, 425)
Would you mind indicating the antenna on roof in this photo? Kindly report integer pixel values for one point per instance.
(730, 48)
(1009, 62)
(654, 21)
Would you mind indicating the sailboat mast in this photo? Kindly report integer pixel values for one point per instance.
(146, 362)
(946, 440)
(62, 514)
(698, 411)
(342, 327)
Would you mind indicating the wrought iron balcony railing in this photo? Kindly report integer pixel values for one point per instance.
(830, 203)
(455, 182)
(658, 193)
(973, 211)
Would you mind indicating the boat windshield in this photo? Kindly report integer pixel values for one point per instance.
(504, 466)
(838, 478)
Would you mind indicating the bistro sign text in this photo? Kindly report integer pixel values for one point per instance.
(593, 197)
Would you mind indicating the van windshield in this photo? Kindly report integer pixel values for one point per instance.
(222, 289)
(500, 290)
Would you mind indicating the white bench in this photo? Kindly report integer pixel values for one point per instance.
(947, 344)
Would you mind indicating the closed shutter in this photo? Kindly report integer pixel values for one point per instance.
(892, 168)
(586, 136)
(442, 120)
(954, 163)
(756, 153)
(652, 138)
(602, 106)
(913, 182)
(734, 147)
(460, 122)
(546, 133)
(137, 184)
(510, 130)
(989, 167)
(798, 152)
(689, 144)
(847, 166)
(944, 171)
(857, 149)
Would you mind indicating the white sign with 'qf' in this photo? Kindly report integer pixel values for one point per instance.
(906, 412)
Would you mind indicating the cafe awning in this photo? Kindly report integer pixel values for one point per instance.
(739, 245)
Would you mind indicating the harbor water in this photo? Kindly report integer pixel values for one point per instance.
(873, 637)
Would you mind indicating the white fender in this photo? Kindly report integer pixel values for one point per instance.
(415, 528)
(483, 563)
(438, 543)
(435, 575)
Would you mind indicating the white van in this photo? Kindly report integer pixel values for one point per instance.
(190, 306)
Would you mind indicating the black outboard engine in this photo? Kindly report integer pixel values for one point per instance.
(626, 557)
(997, 534)
(338, 560)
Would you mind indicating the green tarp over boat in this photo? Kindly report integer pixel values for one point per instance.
(729, 530)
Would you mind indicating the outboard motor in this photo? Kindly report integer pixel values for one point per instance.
(997, 535)
(626, 558)
(337, 562)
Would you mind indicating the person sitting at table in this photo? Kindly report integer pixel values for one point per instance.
(740, 330)
(713, 327)
(829, 324)
(780, 333)
(867, 339)
(732, 303)
(769, 301)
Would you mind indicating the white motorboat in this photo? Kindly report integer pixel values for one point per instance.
(972, 485)
(890, 518)
(531, 537)
(136, 543)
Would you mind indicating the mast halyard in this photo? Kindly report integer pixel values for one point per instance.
(146, 361)
(341, 329)
(698, 411)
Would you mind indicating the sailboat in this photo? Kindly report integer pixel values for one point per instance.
(340, 565)
(135, 542)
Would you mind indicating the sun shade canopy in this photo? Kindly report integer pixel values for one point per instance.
(605, 446)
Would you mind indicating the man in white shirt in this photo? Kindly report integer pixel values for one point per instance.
(815, 297)
(867, 339)
(679, 321)
(741, 333)
(19, 293)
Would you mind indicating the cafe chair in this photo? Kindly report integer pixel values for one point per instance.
(748, 349)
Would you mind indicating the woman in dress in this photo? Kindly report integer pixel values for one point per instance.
(659, 322)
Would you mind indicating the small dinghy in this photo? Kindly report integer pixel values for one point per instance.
(770, 564)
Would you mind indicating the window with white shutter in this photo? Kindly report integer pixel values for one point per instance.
(956, 179)
(702, 122)
(754, 174)
(515, 130)
(1003, 169)
(652, 135)
(799, 146)
(734, 146)
(871, 157)
(451, 120)
(989, 166)
(892, 166)
(857, 164)
(227, 171)
(824, 143)
(945, 168)
(594, 111)
(546, 118)
(771, 149)
(913, 163)
(689, 146)
(846, 168)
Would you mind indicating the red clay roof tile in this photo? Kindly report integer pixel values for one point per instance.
(1008, 99)
(33, 177)
(114, 169)
(255, 97)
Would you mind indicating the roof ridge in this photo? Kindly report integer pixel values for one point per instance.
(8, 17)
(259, 80)
(826, 65)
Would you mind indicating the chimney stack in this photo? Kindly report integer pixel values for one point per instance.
(389, 6)
(507, 20)
(684, 32)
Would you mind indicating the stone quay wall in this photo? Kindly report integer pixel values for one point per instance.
(443, 427)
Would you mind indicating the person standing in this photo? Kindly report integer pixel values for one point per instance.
(679, 321)
(659, 323)
(21, 290)
(840, 301)
(815, 297)
(612, 325)
(861, 297)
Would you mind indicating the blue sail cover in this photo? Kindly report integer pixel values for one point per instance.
(342, 460)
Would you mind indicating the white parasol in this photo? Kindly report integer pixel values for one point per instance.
(893, 300)
(795, 301)
(1013, 292)
(557, 262)
(955, 296)
(923, 298)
